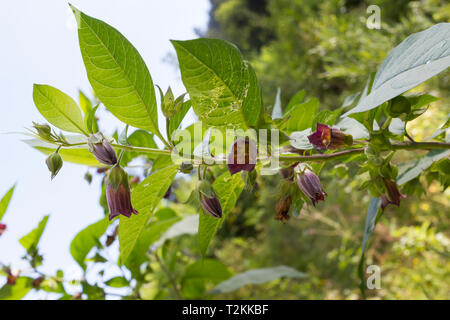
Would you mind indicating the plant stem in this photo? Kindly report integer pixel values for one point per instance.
(345, 153)
(299, 158)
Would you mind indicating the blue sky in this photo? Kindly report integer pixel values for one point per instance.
(39, 44)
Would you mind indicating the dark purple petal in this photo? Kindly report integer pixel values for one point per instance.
(310, 185)
(242, 156)
(105, 153)
(119, 201)
(211, 205)
(393, 195)
(321, 138)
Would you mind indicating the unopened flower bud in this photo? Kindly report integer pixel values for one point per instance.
(242, 156)
(398, 106)
(186, 167)
(43, 130)
(326, 137)
(393, 195)
(282, 208)
(169, 105)
(54, 163)
(309, 183)
(88, 177)
(102, 150)
(118, 193)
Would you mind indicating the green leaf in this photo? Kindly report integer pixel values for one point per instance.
(327, 117)
(31, 240)
(58, 108)
(415, 60)
(175, 121)
(302, 115)
(257, 276)
(206, 269)
(86, 239)
(90, 121)
(353, 127)
(222, 86)
(117, 73)
(165, 218)
(117, 282)
(295, 100)
(5, 201)
(372, 217)
(145, 198)
(17, 291)
(228, 189)
(78, 154)
(420, 165)
(299, 139)
(85, 103)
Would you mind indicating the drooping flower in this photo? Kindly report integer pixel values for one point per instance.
(309, 183)
(102, 150)
(2, 228)
(118, 193)
(282, 208)
(211, 205)
(326, 137)
(242, 156)
(393, 195)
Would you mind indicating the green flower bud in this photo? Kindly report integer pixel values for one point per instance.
(54, 163)
(117, 176)
(169, 105)
(398, 106)
(43, 130)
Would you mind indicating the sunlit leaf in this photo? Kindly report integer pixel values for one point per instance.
(145, 198)
(86, 239)
(4, 202)
(117, 73)
(302, 115)
(17, 291)
(58, 108)
(31, 240)
(221, 85)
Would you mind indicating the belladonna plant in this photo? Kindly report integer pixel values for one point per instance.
(118, 193)
(228, 96)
